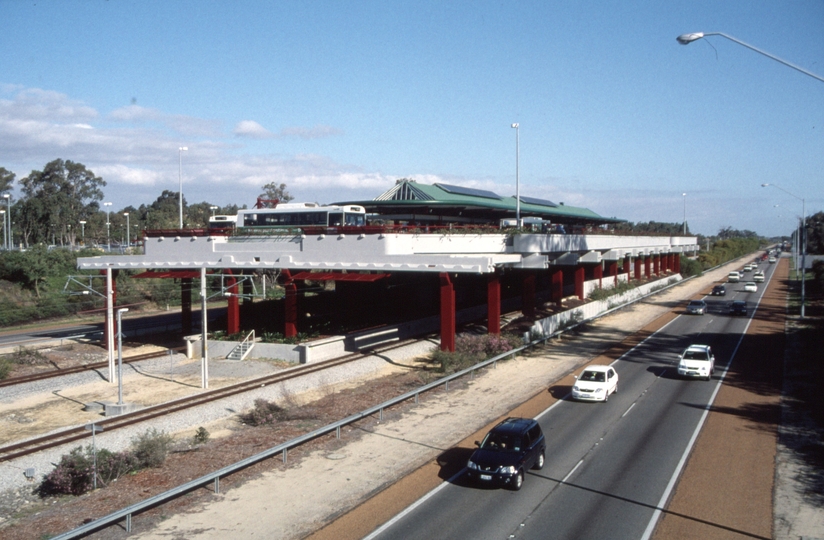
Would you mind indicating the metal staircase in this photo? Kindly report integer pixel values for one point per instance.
(243, 348)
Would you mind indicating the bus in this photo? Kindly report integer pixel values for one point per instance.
(300, 215)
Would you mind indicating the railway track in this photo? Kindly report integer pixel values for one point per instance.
(70, 435)
(80, 369)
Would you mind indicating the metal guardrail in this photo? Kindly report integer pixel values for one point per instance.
(283, 448)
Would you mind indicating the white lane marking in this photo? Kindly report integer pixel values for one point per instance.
(627, 411)
(677, 473)
(413, 506)
(572, 471)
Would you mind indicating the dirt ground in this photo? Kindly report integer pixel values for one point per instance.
(327, 478)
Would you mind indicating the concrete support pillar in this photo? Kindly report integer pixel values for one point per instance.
(557, 291)
(637, 274)
(528, 295)
(579, 282)
(186, 305)
(647, 261)
(493, 303)
(613, 272)
(598, 273)
(447, 313)
(656, 263)
(628, 266)
(232, 311)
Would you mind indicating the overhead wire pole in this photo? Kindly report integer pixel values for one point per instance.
(802, 242)
(517, 175)
(180, 180)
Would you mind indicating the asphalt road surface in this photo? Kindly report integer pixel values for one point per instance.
(609, 465)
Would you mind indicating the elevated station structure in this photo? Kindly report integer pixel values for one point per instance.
(433, 240)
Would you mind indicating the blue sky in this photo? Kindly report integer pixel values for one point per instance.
(339, 99)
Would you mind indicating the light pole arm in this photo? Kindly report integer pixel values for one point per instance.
(686, 39)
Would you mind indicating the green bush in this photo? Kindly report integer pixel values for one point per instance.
(691, 267)
(5, 368)
(606, 292)
(264, 413)
(151, 448)
(201, 436)
(74, 474)
(471, 349)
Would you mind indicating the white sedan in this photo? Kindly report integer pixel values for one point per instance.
(750, 286)
(595, 383)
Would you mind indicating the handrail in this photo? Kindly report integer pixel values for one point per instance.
(283, 448)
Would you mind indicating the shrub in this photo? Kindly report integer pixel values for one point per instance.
(263, 413)
(201, 436)
(606, 292)
(151, 448)
(691, 267)
(5, 368)
(471, 349)
(74, 474)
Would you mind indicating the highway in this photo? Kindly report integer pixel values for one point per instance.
(609, 465)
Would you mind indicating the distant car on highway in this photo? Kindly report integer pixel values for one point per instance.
(750, 286)
(738, 307)
(747, 268)
(697, 361)
(719, 290)
(758, 277)
(697, 307)
(733, 277)
(595, 383)
(507, 452)
(772, 260)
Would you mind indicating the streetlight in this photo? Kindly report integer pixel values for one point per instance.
(517, 175)
(180, 180)
(128, 241)
(5, 231)
(83, 232)
(108, 214)
(686, 39)
(685, 213)
(802, 231)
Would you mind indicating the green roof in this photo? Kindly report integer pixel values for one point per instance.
(410, 197)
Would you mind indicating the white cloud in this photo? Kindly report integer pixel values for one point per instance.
(317, 132)
(128, 175)
(34, 103)
(251, 129)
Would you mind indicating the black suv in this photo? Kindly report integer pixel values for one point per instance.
(508, 450)
(719, 290)
(738, 307)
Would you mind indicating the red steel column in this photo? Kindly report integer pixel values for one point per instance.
(677, 263)
(647, 261)
(557, 291)
(528, 295)
(613, 271)
(447, 313)
(579, 282)
(186, 305)
(598, 273)
(290, 306)
(232, 310)
(656, 264)
(637, 274)
(493, 303)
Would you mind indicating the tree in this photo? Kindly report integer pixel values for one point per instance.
(271, 191)
(64, 191)
(815, 234)
(6, 180)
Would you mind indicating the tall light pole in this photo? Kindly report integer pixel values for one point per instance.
(517, 175)
(8, 216)
(180, 179)
(802, 240)
(128, 241)
(108, 223)
(83, 232)
(685, 39)
(5, 231)
(685, 213)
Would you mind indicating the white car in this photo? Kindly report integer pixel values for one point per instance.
(758, 277)
(697, 361)
(595, 383)
(750, 286)
(772, 260)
